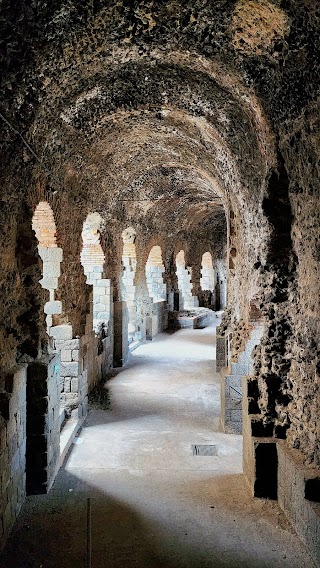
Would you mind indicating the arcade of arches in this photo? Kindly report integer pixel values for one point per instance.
(161, 158)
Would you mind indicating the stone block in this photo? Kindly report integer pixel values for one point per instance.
(52, 308)
(74, 385)
(75, 355)
(99, 290)
(66, 355)
(49, 283)
(69, 369)
(52, 254)
(71, 398)
(61, 344)
(51, 269)
(63, 331)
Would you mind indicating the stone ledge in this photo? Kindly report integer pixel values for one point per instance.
(67, 436)
(195, 318)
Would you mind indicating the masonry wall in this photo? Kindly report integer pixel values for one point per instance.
(12, 450)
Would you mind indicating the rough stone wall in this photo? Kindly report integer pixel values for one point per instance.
(301, 149)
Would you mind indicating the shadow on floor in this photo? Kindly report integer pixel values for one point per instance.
(51, 533)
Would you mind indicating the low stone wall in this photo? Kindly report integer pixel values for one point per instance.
(158, 320)
(197, 318)
(298, 490)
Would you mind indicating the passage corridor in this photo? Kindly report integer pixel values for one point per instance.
(154, 503)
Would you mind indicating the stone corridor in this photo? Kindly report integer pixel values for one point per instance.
(154, 503)
(160, 165)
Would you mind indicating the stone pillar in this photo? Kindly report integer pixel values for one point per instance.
(143, 301)
(121, 344)
(221, 285)
(221, 351)
(43, 427)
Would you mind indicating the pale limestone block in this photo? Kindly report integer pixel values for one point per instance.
(63, 331)
(53, 254)
(69, 369)
(74, 385)
(75, 355)
(52, 308)
(49, 283)
(66, 355)
(51, 269)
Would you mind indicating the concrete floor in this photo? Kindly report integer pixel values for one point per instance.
(154, 504)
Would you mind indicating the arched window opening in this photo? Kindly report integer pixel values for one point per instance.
(207, 282)
(154, 275)
(44, 226)
(63, 369)
(184, 274)
(92, 260)
(129, 265)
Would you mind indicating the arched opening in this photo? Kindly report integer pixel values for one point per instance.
(92, 260)
(184, 274)
(43, 382)
(154, 275)
(129, 266)
(207, 282)
(44, 226)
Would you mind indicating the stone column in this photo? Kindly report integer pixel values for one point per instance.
(120, 323)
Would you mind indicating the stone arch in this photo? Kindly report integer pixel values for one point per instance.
(207, 279)
(44, 226)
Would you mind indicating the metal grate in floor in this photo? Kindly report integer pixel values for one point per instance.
(204, 450)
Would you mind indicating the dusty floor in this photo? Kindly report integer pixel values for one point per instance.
(154, 504)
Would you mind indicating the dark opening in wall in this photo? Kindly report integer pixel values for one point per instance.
(266, 482)
(312, 489)
(36, 448)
